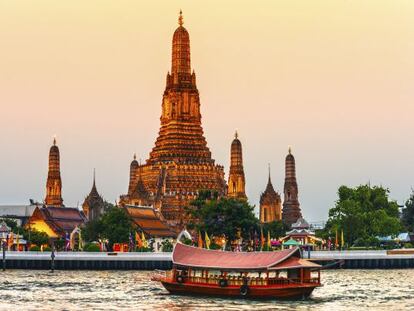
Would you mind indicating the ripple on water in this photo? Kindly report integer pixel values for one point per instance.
(133, 290)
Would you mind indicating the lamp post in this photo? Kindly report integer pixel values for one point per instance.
(52, 256)
(4, 254)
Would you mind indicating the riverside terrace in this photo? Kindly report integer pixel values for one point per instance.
(372, 259)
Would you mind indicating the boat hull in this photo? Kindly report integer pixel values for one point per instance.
(255, 292)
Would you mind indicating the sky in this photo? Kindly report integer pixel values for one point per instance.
(334, 79)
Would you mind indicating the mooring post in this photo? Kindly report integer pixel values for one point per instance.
(52, 263)
(4, 255)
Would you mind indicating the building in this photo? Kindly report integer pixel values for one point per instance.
(19, 213)
(94, 205)
(180, 164)
(54, 182)
(270, 204)
(291, 208)
(56, 222)
(152, 224)
(237, 182)
(302, 235)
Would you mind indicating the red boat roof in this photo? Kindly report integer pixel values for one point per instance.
(190, 256)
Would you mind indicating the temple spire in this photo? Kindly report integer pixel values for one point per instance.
(54, 182)
(180, 18)
(236, 181)
(268, 165)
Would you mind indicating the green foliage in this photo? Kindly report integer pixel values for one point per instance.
(363, 213)
(277, 229)
(47, 249)
(11, 223)
(167, 246)
(115, 225)
(34, 248)
(408, 245)
(186, 241)
(144, 249)
(91, 247)
(59, 244)
(407, 216)
(222, 216)
(214, 246)
(35, 237)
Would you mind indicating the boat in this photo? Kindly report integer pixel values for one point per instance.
(278, 274)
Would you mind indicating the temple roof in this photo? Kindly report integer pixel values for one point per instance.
(150, 221)
(301, 223)
(59, 219)
(269, 192)
(189, 256)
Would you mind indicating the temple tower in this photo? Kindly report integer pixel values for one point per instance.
(237, 183)
(180, 163)
(54, 182)
(270, 204)
(291, 210)
(133, 173)
(93, 206)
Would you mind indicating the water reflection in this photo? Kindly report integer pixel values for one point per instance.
(126, 290)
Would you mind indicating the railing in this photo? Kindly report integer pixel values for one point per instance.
(238, 281)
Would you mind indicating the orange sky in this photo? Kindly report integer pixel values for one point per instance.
(334, 79)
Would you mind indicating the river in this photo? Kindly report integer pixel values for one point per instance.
(132, 290)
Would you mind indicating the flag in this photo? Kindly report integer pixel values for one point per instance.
(262, 242)
(67, 242)
(144, 241)
(80, 241)
(342, 239)
(336, 239)
(11, 240)
(269, 245)
(138, 241)
(207, 239)
(200, 240)
(17, 242)
(131, 242)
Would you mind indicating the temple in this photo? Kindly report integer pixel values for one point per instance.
(270, 204)
(93, 206)
(180, 164)
(291, 208)
(237, 181)
(54, 182)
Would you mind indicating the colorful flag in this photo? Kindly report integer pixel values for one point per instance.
(67, 242)
(11, 241)
(131, 242)
(144, 241)
(80, 241)
(262, 241)
(207, 239)
(17, 242)
(342, 239)
(269, 245)
(138, 241)
(200, 240)
(336, 239)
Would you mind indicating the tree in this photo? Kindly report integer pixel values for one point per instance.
(115, 225)
(277, 228)
(222, 216)
(363, 213)
(35, 237)
(407, 216)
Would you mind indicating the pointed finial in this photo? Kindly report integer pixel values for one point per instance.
(94, 175)
(135, 156)
(290, 149)
(54, 140)
(268, 165)
(180, 19)
(236, 135)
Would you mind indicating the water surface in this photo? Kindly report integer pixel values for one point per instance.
(126, 290)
